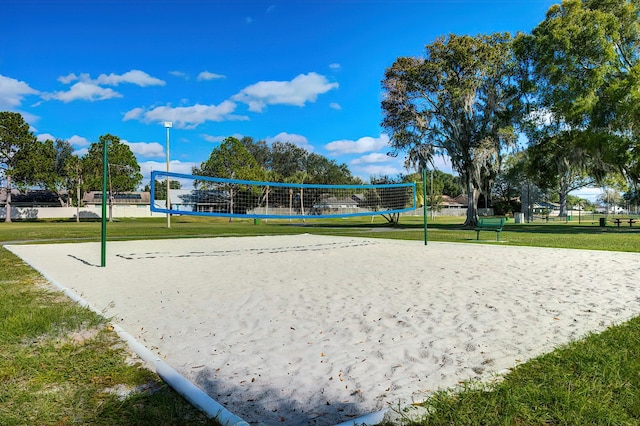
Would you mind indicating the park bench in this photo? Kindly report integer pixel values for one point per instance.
(489, 224)
(629, 220)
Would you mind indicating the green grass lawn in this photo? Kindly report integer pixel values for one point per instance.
(61, 364)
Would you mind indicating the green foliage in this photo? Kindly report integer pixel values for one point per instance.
(46, 165)
(321, 170)
(123, 168)
(559, 163)
(443, 183)
(259, 150)
(462, 99)
(585, 69)
(161, 188)
(585, 58)
(287, 159)
(282, 161)
(230, 160)
(509, 184)
(73, 172)
(14, 136)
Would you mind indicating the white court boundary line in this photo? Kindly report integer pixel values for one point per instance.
(179, 383)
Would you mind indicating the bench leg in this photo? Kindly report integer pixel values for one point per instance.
(477, 235)
(498, 236)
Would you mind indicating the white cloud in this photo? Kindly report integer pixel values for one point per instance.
(89, 89)
(302, 89)
(13, 91)
(216, 139)
(185, 117)
(362, 145)
(365, 172)
(335, 66)
(297, 140)
(85, 91)
(179, 74)
(76, 140)
(175, 166)
(45, 136)
(374, 157)
(28, 117)
(134, 114)
(443, 163)
(146, 149)
(66, 79)
(376, 164)
(81, 152)
(206, 75)
(136, 77)
(589, 193)
(335, 105)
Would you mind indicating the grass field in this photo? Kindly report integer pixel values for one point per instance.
(61, 364)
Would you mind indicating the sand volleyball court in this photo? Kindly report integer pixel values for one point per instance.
(317, 330)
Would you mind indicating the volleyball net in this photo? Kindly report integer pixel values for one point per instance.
(211, 196)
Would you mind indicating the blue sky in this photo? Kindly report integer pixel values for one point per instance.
(305, 71)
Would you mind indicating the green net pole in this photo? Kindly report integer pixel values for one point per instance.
(424, 202)
(103, 251)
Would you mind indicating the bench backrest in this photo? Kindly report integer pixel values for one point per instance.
(491, 222)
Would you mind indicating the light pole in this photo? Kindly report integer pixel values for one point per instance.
(167, 125)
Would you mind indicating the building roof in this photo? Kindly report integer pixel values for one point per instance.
(122, 198)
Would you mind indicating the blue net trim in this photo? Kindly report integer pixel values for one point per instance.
(213, 198)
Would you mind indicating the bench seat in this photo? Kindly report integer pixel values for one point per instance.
(489, 224)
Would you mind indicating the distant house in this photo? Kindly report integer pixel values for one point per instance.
(462, 200)
(126, 199)
(546, 208)
(3, 195)
(330, 204)
(33, 198)
(458, 202)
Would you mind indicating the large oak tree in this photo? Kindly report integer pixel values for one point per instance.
(461, 99)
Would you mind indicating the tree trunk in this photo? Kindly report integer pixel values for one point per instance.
(78, 204)
(472, 204)
(564, 191)
(7, 205)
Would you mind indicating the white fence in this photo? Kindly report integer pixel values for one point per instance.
(87, 212)
(456, 211)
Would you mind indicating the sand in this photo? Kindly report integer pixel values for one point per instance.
(317, 330)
